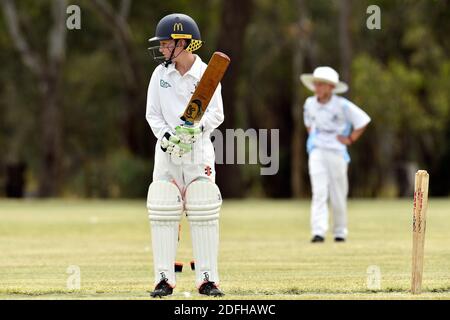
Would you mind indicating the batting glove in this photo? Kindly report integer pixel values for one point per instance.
(172, 145)
(188, 134)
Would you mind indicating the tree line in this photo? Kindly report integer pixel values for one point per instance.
(72, 102)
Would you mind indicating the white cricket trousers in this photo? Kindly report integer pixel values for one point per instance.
(328, 175)
(182, 171)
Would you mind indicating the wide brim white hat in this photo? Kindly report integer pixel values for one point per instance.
(324, 74)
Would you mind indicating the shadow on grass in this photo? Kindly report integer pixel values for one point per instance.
(297, 291)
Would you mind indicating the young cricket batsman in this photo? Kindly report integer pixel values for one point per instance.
(183, 173)
(333, 123)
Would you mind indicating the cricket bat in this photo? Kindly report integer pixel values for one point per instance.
(213, 74)
(200, 99)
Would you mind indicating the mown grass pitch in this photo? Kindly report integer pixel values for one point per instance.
(264, 253)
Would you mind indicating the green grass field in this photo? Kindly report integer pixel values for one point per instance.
(264, 253)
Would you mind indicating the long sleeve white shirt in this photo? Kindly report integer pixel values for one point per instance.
(169, 93)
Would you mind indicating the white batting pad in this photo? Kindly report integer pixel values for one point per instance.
(203, 202)
(165, 206)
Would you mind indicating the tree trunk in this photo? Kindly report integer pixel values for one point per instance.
(52, 169)
(51, 140)
(235, 18)
(131, 122)
(49, 81)
(15, 179)
(298, 155)
(345, 45)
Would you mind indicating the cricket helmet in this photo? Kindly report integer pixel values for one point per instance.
(179, 26)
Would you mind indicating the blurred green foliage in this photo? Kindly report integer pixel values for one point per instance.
(400, 75)
(119, 175)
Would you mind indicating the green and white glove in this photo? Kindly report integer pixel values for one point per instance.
(188, 134)
(172, 145)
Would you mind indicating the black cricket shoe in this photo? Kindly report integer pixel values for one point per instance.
(317, 239)
(178, 267)
(210, 289)
(162, 289)
(339, 239)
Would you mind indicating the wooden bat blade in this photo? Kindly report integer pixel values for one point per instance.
(202, 95)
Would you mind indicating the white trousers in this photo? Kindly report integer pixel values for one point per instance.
(328, 175)
(204, 223)
(182, 171)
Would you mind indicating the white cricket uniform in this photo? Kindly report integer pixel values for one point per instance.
(168, 95)
(329, 158)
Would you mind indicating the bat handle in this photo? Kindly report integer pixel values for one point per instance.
(186, 123)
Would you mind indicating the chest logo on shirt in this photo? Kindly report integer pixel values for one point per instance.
(164, 84)
(208, 170)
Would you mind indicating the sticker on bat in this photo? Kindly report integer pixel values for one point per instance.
(193, 111)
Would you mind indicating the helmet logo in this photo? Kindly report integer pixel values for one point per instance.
(178, 26)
